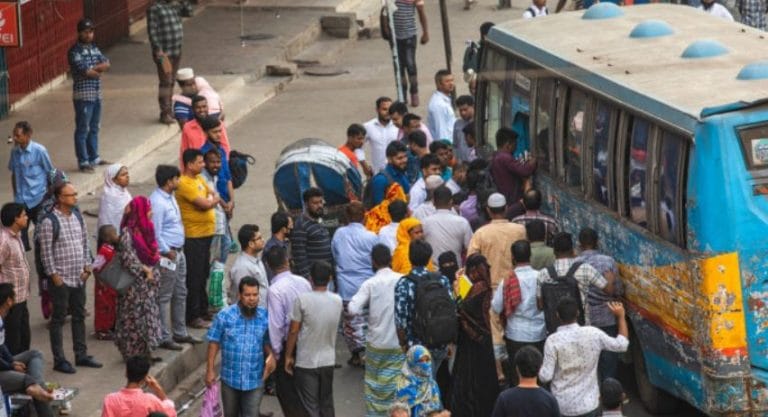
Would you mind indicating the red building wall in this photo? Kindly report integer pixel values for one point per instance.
(137, 9)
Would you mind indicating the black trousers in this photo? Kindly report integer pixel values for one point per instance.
(285, 388)
(198, 254)
(17, 333)
(315, 388)
(68, 299)
(406, 55)
(512, 348)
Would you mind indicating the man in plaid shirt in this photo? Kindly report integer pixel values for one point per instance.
(66, 261)
(240, 332)
(532, 203)
(166, 35)
(87, 64)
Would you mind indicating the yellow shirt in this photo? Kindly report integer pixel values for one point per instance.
(197, 223)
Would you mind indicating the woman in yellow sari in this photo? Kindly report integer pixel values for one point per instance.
(409, 229)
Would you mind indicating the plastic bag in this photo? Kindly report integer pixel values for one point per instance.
(211, 403)
(216, 285)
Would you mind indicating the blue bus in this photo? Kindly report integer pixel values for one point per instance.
(650, 124)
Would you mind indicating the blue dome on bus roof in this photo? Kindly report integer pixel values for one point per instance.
(606, 10)
(754, 71)
(704, 49)
(651, 29)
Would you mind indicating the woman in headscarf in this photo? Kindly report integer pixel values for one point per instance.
(111, 208)
(409, 229)
(137, 330)
(115, 196)
(474, 391)
(415, 385)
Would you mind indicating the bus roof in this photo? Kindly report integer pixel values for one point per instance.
(647, 73)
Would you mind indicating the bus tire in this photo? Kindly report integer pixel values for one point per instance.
(655, 400)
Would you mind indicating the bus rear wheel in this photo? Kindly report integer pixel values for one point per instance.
(655, 400)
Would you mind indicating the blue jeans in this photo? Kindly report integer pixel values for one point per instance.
(237, 403)
(87, 122)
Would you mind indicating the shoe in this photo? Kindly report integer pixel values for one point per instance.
(87, 169)
(167, 119)
(105, 336)
(415, 99)
(155, 359)
(88, 362)
(199, 323)
(170, 345)
(104, 162)
(64, 367)
(187, 339)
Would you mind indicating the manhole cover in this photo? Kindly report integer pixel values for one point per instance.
(325, 70)
(256, 37)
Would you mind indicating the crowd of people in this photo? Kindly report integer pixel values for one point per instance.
(450, 285)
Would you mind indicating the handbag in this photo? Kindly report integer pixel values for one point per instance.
(115, 276)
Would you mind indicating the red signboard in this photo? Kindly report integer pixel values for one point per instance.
(10, 24)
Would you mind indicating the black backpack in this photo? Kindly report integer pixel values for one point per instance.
(368, 190)
(238, 167)
(434, 322)
(553, 292)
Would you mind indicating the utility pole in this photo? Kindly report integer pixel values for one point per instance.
(391, 8)
(447, 41)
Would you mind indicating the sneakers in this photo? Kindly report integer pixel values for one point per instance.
(415, 99)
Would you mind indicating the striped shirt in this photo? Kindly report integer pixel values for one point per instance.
(69, 254)
(310, 242)
(14, 268)
(599, 313)
(550, 224)
(405, 18)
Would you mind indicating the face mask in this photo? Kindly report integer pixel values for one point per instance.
(423, 369)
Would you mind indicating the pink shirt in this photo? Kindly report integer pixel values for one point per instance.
(193, 136)
(133, 402)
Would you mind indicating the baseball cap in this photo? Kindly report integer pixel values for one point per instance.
(497, 200)
(84, 24)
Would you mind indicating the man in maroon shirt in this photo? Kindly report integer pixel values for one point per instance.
(509, 173)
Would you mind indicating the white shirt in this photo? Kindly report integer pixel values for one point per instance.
(425, 210)
(246, 265)
(570, 362)
(378, 294)
(447, 231)
(378, 136)
(418, 194)
(440, 116)
(527, 322)
(536, 12)
(718, 10)
(388, 235)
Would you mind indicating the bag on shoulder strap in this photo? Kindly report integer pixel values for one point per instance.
(238, 167)
(561, 287)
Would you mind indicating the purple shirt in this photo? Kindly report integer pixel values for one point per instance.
(508, 174)
(283, 291)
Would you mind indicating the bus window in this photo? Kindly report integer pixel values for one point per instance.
(496, 65)
(670, 183)
(638, 163)
(545, 123)
(574, 134)
(520, 86)
(600, 159)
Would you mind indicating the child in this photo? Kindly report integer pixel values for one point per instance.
(105, 299)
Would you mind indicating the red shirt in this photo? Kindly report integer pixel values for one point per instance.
(193, 137)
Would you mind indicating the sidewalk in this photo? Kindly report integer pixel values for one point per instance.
(130, 131)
